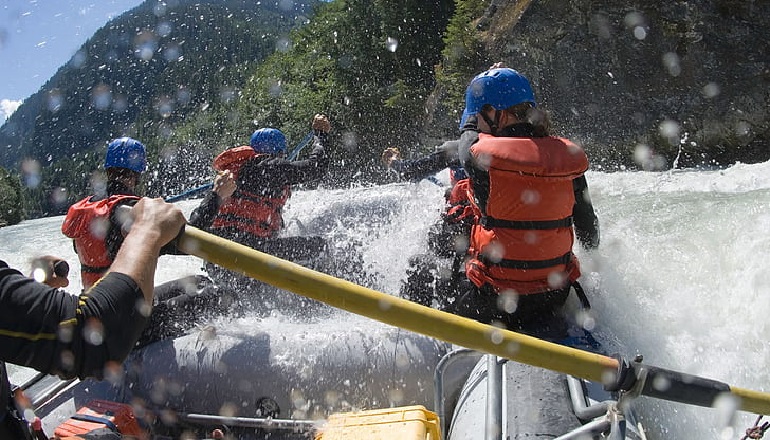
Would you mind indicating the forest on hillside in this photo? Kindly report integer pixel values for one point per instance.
(213, 73)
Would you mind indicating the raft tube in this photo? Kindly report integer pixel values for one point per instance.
(509, 400)
(285, 370)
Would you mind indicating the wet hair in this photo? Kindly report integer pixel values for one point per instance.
(538, 119)
(122, 173)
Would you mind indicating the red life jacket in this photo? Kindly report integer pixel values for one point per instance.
(523, 238)
(458, 204)
(255, 214)
(233, 159)
(87, 223)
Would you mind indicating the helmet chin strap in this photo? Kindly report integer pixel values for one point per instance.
(493, 125)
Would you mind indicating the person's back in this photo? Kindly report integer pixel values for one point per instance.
(255, 210)
(92, 222)
(528, 191)
(264, 178)
(253, 215)
(524, 239)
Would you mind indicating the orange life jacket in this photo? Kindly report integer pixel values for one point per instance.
(233, 159)
(523, 237)
(255, 214)
(87, 223)
(98, 416)
(458, 204)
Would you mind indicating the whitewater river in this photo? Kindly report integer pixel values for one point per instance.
(680, 275)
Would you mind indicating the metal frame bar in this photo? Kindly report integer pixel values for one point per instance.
(439, 399)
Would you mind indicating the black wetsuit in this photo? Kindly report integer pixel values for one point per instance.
(445, 156)
(45, 328)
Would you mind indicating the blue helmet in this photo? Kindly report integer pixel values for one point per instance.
(501, 88)
(126, 153)
(269, 141)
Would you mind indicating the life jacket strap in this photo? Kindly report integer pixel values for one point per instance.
(93, 269)
(96, 419)
(535, 225)
(527, 264)
(581, 294)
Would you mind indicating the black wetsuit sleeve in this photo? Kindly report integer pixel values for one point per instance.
(419, 169)
(467, 139)
(257, 174)
(478, 174)
(203, 215)
(586, 221)
(114, 238)
(55, 332)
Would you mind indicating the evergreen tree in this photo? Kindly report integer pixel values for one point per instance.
(11, 207)
(368, 64)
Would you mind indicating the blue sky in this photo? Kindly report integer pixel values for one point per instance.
(39, 36)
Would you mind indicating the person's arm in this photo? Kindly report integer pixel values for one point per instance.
(478, 173)
(30, 318)
(310, 169)
(121, 302)
(258, 174)
(446, 155)
(114, 237)
(154, 223)
(203, 215)
(55, 332)
(584, 217)
(316, 165)
(81, 336)
(467, 139)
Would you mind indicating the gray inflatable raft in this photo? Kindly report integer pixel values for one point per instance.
(281, 369)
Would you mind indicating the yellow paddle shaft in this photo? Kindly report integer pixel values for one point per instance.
(420, 319)
(395, 311)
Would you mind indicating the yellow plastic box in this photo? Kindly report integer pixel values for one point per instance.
(404, 423)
